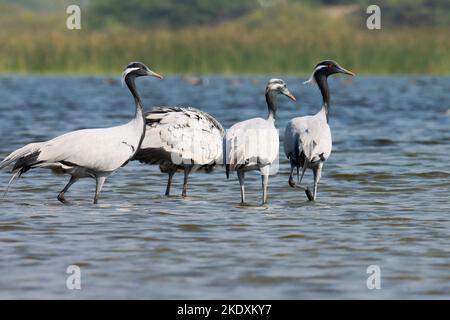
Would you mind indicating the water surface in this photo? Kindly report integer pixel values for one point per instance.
(383, 199)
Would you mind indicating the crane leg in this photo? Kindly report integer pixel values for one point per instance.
(265, 182)
(61, 197)
(241, 177)
(291, 178)
(169, 182)
(99, 185)
(317, 175)
(187, 171)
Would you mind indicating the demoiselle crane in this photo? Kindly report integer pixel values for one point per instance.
(253, 144)
(181, 139)
(307, 140)
(93, 153)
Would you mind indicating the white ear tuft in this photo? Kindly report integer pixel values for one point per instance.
(125, 73)
(311, 79)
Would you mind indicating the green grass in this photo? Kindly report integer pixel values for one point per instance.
(286, 40)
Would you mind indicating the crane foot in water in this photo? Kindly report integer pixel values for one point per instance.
(309, 194)
(291, 182)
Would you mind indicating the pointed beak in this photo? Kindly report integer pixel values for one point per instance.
(289, 95)
(154, 74)
(345, 71)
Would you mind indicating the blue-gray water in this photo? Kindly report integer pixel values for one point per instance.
(383, 199)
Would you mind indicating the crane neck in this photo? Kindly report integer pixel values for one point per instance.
(139, 118)
(129, 80)
(322, 82)
(271, 105)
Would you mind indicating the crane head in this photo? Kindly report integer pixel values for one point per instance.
(279, 86)
(327, 68)
(138, 69)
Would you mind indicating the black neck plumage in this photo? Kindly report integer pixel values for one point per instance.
(129, 80)
(322, 82)
(139, 115)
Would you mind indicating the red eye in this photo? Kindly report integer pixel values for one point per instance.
(330, 66)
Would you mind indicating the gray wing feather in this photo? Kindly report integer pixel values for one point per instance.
(175, 134)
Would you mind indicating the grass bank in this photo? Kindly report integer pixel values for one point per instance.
(286, 40)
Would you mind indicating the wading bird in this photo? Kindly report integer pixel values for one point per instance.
(253, 144)
(181, 139)
(93, 153)
(307, 140)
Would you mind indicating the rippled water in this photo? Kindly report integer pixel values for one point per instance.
(383, 199)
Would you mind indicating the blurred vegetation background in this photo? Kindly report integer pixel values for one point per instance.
(224, 36)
